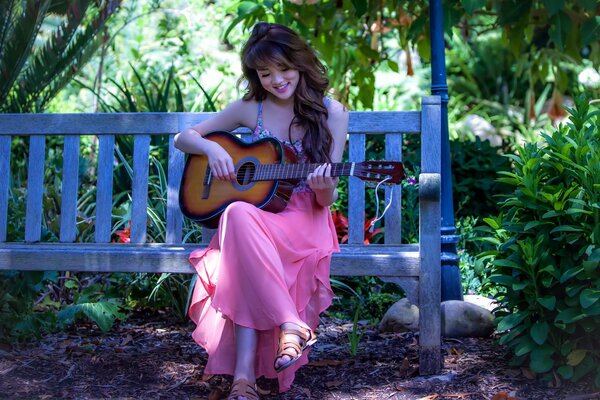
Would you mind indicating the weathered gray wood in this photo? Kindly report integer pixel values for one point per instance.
(70, 184)
(414, 267)
(4, 184)
(393, 217)
(139, 191)
(160, 257)
(169, 123)
(104, 188)
(431, 141)
(35, 188)
(430, 357)
(174, 215)
(430, 279)
(356, 192)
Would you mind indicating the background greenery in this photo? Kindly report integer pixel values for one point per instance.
(511, 65)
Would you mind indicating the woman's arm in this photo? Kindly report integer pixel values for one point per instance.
(192, 140)
(320, 181)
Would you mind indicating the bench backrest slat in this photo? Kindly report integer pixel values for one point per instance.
(431, 162)
(139, 190)
(356, 191)
(4, 184)
(174, 215)
(104, 188)
(70, 185)
(35, 188)
(393, 217)
(152, 123)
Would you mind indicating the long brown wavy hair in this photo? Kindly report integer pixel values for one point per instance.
(279, 46)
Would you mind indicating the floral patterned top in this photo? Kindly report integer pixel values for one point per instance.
(260, 132)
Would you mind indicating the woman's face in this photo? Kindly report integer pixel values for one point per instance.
(281, 82)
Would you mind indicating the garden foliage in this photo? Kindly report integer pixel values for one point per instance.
(546, 254)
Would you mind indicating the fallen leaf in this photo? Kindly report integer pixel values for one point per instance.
(527, 373)
(333, 384)
(430, 397)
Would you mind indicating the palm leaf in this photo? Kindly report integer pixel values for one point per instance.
(64, 54)
(19, 41)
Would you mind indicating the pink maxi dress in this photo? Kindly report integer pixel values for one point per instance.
(259, 271)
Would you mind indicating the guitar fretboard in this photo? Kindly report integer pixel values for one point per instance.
(269, 172)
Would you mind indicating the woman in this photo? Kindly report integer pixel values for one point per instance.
(264, 278)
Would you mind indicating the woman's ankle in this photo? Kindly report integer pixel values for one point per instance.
(245, 375)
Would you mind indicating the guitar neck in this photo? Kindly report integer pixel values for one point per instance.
(270, 172)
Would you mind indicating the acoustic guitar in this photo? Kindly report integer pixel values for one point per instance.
(266, 173)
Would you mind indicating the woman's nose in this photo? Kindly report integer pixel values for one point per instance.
(277, 78)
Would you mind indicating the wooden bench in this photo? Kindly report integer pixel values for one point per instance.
(414, 267)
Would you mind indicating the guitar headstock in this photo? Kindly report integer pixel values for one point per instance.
(377, 171)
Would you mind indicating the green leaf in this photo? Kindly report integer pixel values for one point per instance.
(539, 332)
(393, 65)
(524, 347)
(472, 5)
(541, 359)
(570, 315)
(71, 284)
(102, 313)
(590, 31)
(570, 273)
(548, 302)
(589, 297)
(559, 28)
(510, 321)
(576, 357)
(566, 228)
(566, 371)
(553, 6)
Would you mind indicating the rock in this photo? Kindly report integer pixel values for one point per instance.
(402, 316)
(458, 318)
(464, 319)
(482, 301)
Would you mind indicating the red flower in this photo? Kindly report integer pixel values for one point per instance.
(124, 235)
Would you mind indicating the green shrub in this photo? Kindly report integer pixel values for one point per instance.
(546, 254)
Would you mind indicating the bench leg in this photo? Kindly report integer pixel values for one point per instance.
(430, 356)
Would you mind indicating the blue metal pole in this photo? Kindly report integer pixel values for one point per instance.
(451, 284)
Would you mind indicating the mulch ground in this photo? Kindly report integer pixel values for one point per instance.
(153, 357)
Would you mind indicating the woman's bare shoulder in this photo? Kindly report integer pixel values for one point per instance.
(244, 111)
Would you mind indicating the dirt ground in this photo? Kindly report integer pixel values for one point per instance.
(155, 358)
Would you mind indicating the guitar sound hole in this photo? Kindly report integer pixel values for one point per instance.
(245, 173)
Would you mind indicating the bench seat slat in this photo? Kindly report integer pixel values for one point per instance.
(70, 184)
(4, 182)
(383, 261)
(104, 188)
(35, 188)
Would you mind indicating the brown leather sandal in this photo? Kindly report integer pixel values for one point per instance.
(291, 348)
(245, 389)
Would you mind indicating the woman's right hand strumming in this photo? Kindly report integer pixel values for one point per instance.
(220, 162)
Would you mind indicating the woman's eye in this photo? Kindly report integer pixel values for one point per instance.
(264, 75)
